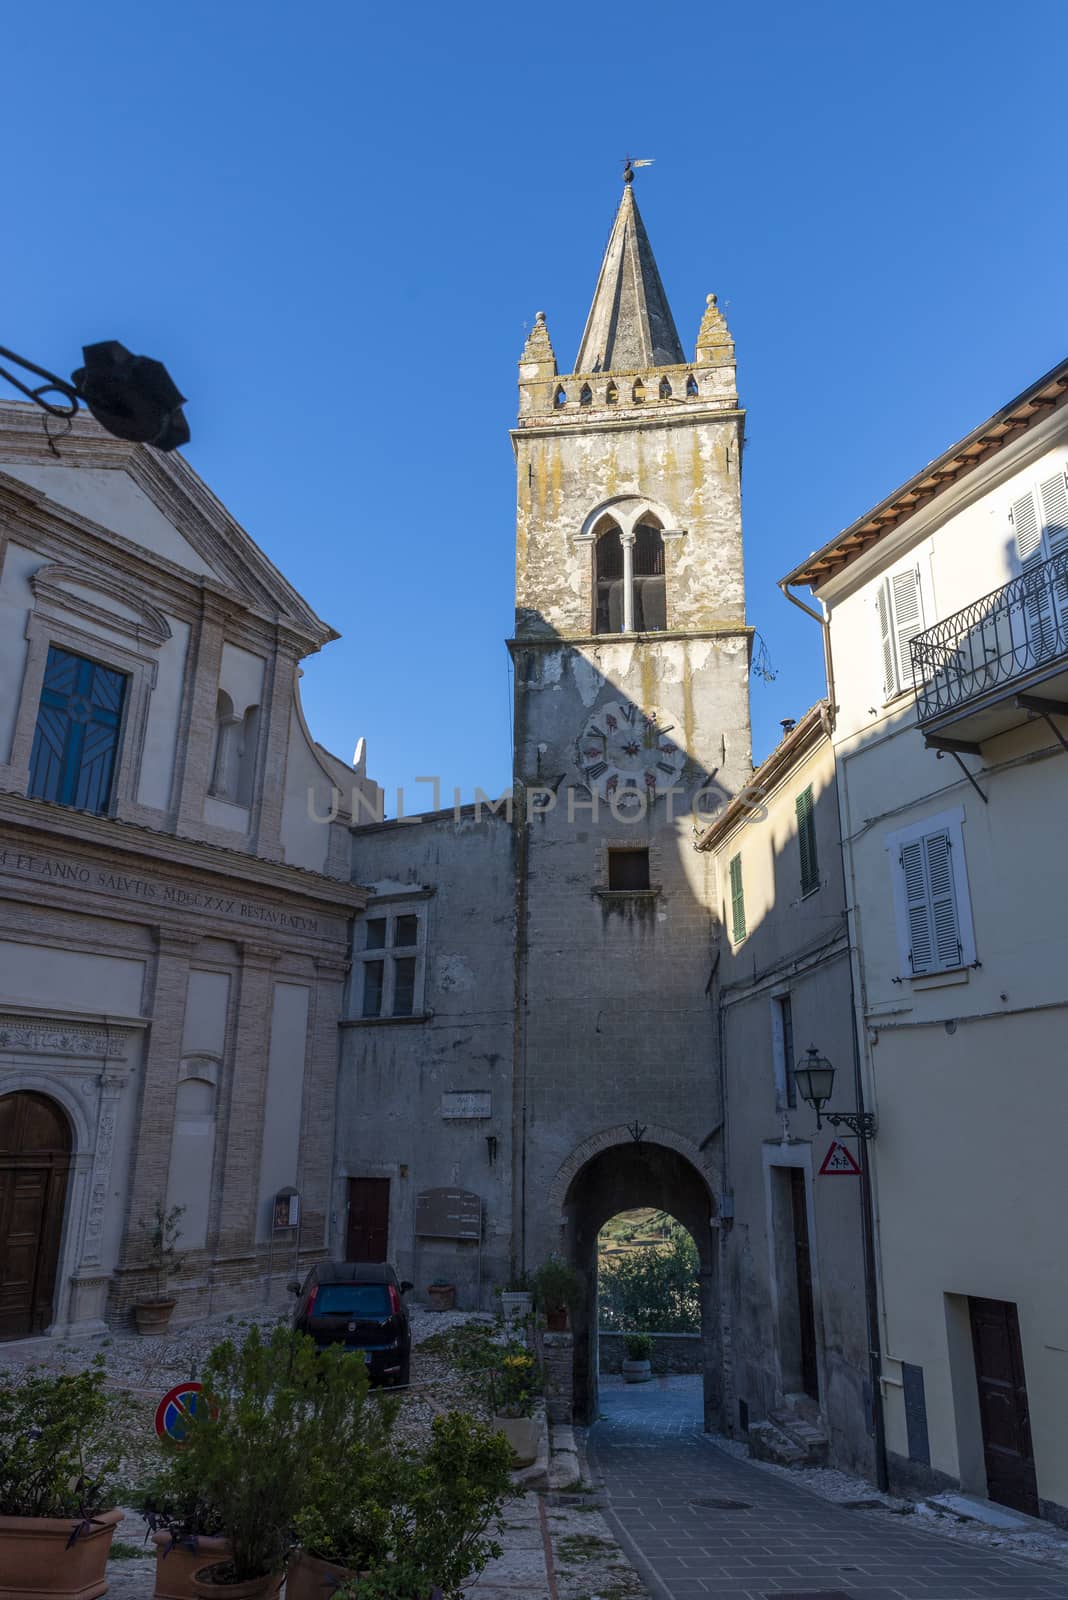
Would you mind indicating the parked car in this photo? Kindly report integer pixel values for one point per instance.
(358, 1304)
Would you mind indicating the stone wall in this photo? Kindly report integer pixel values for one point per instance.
(672, 1352)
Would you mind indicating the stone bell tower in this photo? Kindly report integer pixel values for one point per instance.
(631, 656)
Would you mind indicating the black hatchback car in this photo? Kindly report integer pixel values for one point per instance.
(358, 1304)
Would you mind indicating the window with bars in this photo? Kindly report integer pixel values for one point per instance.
(933, 911)
(76, 741)
(899, 605)
(806, 838)
(390, 966)
(737, 900)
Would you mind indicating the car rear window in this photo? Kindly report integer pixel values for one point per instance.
(352, 1300)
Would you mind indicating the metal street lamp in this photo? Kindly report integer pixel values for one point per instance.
(815, 1083)
(133, 397)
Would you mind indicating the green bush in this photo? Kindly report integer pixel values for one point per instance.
(655, 1291)
(57, 1452)
(639, 1346)
(557, 1286)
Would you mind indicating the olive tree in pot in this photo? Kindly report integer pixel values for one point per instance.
(57, 1500)
(637, 1367)
(153, 1313)
(248, 1449)
(557, 1292)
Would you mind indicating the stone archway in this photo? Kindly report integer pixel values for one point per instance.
(610, 1174)
(35, 1159)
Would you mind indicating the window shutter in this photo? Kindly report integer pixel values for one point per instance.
(737, 900)
(944, 924)
(1026, 528)
(806, 838)
(1054, 492)
(1037, 609)
(917, 910)
(886, 638)
(908, 620)
(931, 903)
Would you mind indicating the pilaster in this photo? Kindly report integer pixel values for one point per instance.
(197, 730)
(241, 1144)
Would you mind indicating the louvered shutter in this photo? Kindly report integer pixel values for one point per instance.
(886, 638)
(1038, 610)
(806, 838)
(1054, 493)
(908, 620)
(917, 907)
(944, 924)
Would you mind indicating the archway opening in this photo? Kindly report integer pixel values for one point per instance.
(35, 1149)
(656, 1182)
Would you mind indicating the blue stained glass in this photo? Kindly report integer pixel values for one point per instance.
(77, 737)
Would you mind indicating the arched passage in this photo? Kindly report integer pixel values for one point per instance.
(617, 1178)
(35, 1145)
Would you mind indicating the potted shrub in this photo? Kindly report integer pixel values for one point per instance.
(57, 1499)
(441, 1294)
(186, 1531)
(431, 1518)
(153, 1312)
(249, 1452)
(517, 1300)
(637, 1367)
(513, 1387)
(557, 1292)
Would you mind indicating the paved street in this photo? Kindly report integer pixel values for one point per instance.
(782, 1540)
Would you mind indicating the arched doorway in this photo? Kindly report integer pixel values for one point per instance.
(35, 1146)
(619, 1178)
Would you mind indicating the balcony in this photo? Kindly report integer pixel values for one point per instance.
(997, 663)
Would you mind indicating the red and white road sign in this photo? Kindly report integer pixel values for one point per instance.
(839, 1162)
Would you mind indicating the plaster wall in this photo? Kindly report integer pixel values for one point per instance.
(75, 980)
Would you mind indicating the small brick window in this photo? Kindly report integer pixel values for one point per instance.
(628, 869)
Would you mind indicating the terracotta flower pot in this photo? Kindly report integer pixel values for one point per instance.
(522, 1435)
(153, 1317)
(310, 1578)
(252, 1589)
(34, 1559)
(556, 1320)
(176, 1564)
(442, 1296)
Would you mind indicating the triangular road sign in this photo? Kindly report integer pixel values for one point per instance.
(839, 1161)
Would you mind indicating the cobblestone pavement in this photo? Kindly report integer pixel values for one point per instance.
(777, 1540)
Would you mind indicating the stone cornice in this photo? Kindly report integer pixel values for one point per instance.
(550, 641)
(624, 419)
(52, 1036)
(121, 843)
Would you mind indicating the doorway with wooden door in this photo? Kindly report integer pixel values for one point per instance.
(35, 1146)
(367, 1235)
(1003, 1409)
(794, 1282)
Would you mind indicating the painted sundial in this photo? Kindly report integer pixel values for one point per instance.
(624, 748)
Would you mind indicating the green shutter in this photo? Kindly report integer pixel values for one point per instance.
(737, 901)
(806, 838)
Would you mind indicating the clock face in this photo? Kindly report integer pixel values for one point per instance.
(623, 748)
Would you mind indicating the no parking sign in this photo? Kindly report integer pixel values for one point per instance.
(176, 1408)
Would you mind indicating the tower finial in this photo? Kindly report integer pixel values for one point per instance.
(629, 166)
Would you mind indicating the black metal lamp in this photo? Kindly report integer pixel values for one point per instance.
(133, 397)
(815, 1083)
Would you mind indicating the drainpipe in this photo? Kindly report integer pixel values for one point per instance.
(867, 1205)
(828, 660)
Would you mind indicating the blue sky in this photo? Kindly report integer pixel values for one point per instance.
(335, 222)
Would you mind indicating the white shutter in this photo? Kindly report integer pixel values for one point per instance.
(908, 620)
(931, 903)
(1054, 492)
(939, 851)
(1038, 611)
(886, 638)
(917, 907)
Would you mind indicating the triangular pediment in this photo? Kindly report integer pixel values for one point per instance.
(153, 501)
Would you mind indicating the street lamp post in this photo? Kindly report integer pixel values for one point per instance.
(133, 397)
(815, 1084)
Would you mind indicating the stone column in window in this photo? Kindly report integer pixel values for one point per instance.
(627, 541)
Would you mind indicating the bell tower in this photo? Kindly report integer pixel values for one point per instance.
(631, 655)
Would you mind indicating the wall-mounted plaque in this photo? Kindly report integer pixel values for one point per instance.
(448, 1214)
(467, 1103)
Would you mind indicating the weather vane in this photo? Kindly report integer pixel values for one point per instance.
(629, 166)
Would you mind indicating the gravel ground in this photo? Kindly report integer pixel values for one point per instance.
(1051, 1547)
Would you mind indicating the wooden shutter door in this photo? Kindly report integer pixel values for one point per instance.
(1037, 609)
(368, 1230)
(908, 621)
(917, 907)
(944, 923)
(886, 638)
(1054, 493)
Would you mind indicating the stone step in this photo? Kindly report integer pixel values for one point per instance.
(808, 1437)
(769, 1443)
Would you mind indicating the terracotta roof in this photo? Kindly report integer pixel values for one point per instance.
(791, 748)
(1009, 423)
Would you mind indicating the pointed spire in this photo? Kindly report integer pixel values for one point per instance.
(630, 325)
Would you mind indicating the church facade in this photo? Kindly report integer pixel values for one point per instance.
(174, 924)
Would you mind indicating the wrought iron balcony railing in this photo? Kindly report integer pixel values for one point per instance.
(1006, 636)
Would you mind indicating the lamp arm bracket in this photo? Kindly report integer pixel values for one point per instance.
(52, 385)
